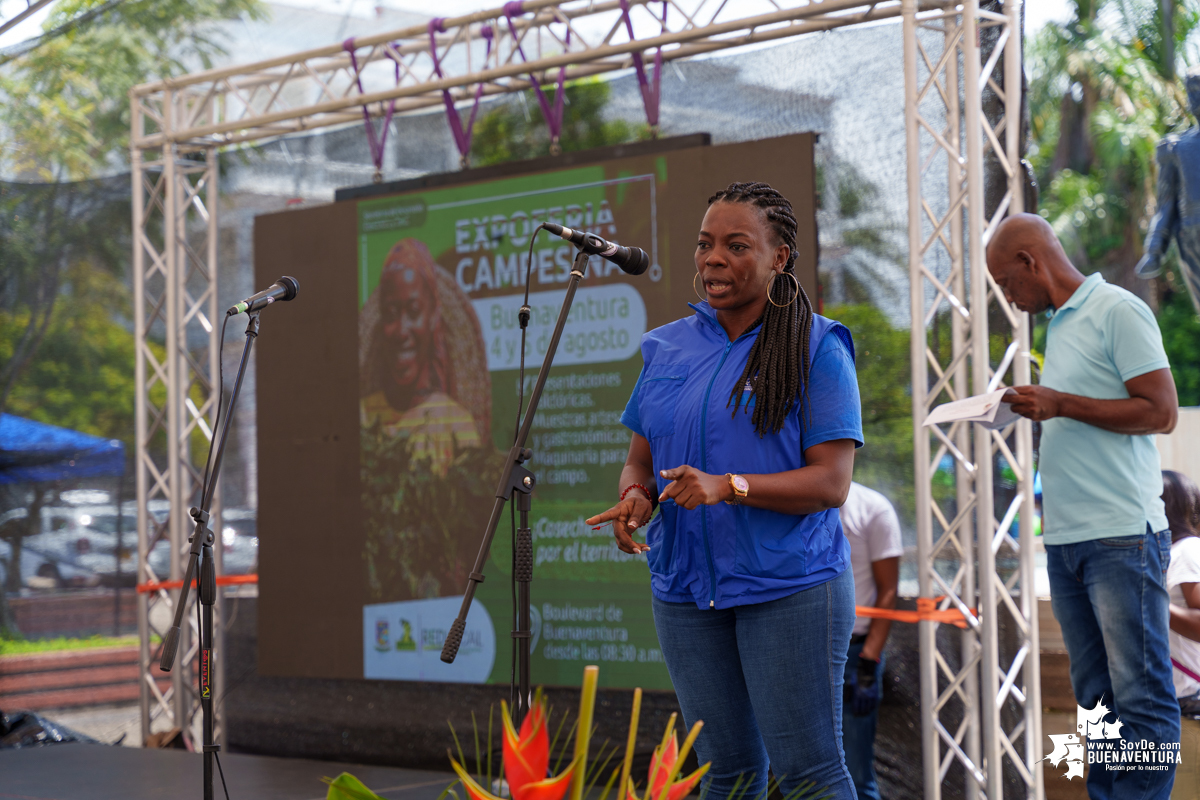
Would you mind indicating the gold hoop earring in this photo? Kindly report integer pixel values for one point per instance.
(772, 286)
(703, 297)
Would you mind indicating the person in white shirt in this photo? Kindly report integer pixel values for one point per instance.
(1182, 501)
(873, 531)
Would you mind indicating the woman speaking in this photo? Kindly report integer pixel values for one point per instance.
(745, 419)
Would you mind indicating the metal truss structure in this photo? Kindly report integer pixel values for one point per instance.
(31, 8)
(980, 695)
(175, 319)
(179, 124)
(320, 87)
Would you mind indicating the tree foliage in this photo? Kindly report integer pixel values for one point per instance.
(66, 111)
(64, 115)
(1100, 99)
(83, 377)
(515, 130)
(1103, 91)
(1181, 339)
(46, 232)
(885, 463)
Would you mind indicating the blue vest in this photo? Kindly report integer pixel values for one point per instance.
(723, 556)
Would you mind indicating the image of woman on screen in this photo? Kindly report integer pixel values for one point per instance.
(745, 419)
(425, 411)
(413, 386)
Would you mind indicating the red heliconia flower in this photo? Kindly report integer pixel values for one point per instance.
(663, 769)
(526, 760)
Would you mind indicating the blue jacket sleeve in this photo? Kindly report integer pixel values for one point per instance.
(631, 418)
(833, 409)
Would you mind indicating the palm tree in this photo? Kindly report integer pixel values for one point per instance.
(1103, 91)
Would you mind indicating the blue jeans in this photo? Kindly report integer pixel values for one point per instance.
(1110, 598)
(766, 679)
(858, 733)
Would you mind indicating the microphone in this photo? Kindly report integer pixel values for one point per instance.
(283, 289)
(632, 260)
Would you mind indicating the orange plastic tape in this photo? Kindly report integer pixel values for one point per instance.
(926, 610)
(223, 580)
(926, 606)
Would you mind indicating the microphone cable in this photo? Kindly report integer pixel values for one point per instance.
(220, 402)
(525, 304)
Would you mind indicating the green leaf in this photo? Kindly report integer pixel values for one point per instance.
(348, 787)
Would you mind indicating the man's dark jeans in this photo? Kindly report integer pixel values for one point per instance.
(1110, 598)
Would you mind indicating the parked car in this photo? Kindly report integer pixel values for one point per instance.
(78, 545)
(238, 545)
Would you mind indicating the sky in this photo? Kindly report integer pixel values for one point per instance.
(1037, 12)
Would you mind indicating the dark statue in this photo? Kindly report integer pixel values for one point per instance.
(1178, 212)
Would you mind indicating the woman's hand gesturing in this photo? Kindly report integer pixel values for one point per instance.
(690, 488)
(626, 517)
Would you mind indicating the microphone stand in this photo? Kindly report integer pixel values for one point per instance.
(202, 555)
(517, 478)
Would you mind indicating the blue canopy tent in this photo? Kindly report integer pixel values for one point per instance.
(34, 452)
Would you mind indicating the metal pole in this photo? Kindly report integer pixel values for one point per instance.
(117, 555)
(212, 196)
(920, 380)
(1032, 679)
(176, 392)
(959, 341)
(141, 442)
(984, 510)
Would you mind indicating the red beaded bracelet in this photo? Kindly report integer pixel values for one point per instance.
(649, 495)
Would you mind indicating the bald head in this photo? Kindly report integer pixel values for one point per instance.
(1027, 232)
(1028, 262)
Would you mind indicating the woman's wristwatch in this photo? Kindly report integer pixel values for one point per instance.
(740, 486)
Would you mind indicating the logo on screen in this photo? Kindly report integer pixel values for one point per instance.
(406, 641)
(382, 637)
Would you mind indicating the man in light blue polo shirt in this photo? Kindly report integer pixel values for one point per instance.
(1106, 390)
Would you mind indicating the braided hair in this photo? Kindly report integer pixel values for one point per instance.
(777, 368)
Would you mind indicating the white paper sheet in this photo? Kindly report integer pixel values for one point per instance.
(987, 409)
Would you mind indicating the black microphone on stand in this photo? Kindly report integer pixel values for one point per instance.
(201, 564)
(283, 289)
(632, 260)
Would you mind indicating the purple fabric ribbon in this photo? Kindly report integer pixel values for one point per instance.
(375, 141)
(553, 115)
(1185, 670)
(650, 93)
(462, 136)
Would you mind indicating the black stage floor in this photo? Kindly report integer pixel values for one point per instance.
(102, 772)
